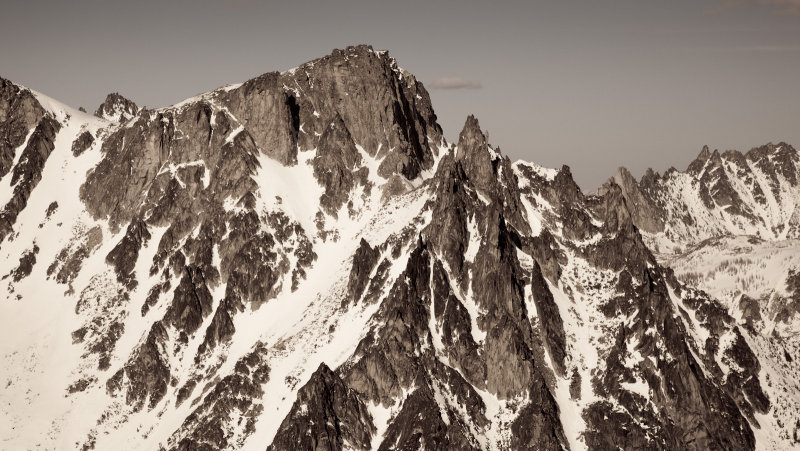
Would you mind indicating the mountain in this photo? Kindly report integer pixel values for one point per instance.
(756, 193)
(730, 226)
(302, 261)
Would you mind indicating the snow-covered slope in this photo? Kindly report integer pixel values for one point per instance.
(758, 282)
(732, 267)
(302, 261)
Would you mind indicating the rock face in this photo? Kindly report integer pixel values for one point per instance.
(301, 261)
(326, 415)
(19, 113)
(381, 106)
(640, 201)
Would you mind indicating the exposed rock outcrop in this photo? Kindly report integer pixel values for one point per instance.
(28, 172)
(144, 379)
(19, 113)
(82, 143)
(326, 415)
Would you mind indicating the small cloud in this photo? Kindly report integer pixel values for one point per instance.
(454, 83)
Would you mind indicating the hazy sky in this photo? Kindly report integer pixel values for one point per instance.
(594, 85)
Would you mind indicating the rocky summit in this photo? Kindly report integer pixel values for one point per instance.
(303, 261)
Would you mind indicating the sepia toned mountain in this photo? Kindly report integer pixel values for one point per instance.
(303, 261)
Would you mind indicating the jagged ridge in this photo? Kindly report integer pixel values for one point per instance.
(306, 249)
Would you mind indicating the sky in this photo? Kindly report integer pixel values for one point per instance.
(594, 85)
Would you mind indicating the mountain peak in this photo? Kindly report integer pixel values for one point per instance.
(471, 124)
(770, 148)
(289, 110)
(697, 165)
(623, 172)
(474, 153)
(716, 158)
(116, 108)
(704, 154)
(358, 50)
(472, 137)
